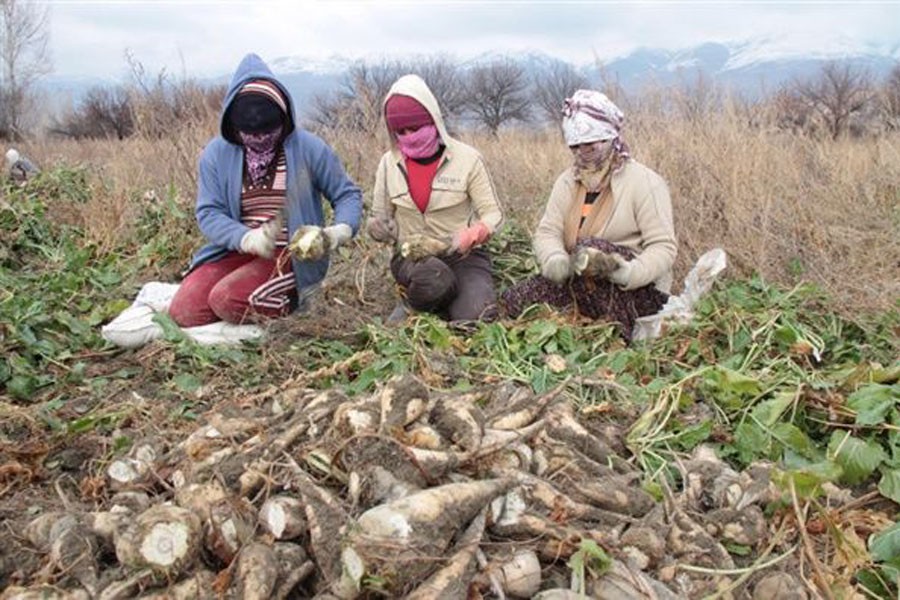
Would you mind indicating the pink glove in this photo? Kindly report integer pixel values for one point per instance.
(465, 239)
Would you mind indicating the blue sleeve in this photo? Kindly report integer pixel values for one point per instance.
(330, 178)
(214, 217)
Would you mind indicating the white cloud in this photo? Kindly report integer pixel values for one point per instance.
(207, 38)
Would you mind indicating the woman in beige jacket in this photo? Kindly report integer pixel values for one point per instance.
(607, 228)
(435, 202)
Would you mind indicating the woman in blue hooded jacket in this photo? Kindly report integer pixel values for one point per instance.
(261, 179)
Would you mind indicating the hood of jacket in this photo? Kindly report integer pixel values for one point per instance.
(252, 67)
(416, 88)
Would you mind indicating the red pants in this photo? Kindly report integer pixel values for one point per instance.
(239, 288)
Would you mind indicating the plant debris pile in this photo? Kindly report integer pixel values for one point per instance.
(490, 493)
(592, 297)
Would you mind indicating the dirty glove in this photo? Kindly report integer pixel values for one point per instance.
(337, 235)
(622, 275)
(382, 229)
(311, 242)
(465, 239)
(592, 262)
(261, 240)
(419, 247)
(557, 268)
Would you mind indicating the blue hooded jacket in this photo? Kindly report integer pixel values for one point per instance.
(313, 171)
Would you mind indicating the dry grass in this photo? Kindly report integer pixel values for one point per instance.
(788, 206)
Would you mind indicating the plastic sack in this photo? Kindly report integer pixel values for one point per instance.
(680, 309)
(135, 327)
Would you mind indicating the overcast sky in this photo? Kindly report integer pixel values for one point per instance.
(89, 38)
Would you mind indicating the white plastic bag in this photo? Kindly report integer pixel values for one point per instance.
(135, 327)
(680, 309)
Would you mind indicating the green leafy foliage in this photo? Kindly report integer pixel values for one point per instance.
(56, 289)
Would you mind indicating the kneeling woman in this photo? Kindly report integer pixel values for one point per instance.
(434, 200)
(260, 180)
(606, 241)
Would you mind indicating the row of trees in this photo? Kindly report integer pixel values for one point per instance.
(840, 99)
(488, 95)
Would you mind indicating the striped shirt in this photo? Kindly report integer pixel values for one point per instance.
(261, 203)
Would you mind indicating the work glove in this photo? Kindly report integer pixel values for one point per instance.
(622, 275)
(311, 242)
(592, 262)
(465, 239)
(419, 247)
(261, 240)
(382, 229)
(337, 235)
(558, 268)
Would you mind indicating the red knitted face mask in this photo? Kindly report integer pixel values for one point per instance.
(421, 143)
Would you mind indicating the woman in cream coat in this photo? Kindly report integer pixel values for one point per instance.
(435, 202)
(607, 196)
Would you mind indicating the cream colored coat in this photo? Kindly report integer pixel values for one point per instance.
(462, 191)
(638, 215)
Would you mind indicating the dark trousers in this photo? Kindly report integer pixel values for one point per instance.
(457, 287)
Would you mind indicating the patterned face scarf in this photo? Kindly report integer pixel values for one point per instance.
(590, 117)
(259, 152)
(593, 164)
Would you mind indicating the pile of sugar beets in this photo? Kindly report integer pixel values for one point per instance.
(409, 493)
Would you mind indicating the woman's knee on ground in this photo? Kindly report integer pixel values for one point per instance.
(432, 285)
(229, 303)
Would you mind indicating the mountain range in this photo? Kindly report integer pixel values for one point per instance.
(750, 67)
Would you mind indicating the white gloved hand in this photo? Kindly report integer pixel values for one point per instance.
(622, 275)
(261, 240)
(557, 268)
(337, 235)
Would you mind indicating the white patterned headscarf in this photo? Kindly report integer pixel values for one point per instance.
(589, 116)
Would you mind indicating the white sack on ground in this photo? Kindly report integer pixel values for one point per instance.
(680, 309)
(135, 327)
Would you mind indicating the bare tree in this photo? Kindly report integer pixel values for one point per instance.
(104, 112)
(553, 86)
(839, 92)
(498, 94)
(445, 80)
(356, 105)
(161, 104)
(24, 58)
(891, 97)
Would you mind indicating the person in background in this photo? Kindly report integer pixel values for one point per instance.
(18, 168)
(435, 202)
(261, 179)
(608, 216)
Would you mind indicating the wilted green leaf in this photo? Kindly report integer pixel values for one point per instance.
(872, 402)
(734, 382)
(885, 545)
(22, 387)
(187, 383)
(769, 411)
(889, 486)
(688, 439)
(858, 458)
(807, 480)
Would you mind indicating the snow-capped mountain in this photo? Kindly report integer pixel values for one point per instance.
(752, 66)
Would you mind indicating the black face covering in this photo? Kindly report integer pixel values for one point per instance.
(253, 113)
